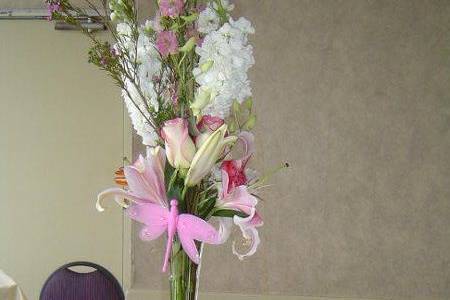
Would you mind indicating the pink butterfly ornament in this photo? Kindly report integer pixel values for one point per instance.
(187, 227)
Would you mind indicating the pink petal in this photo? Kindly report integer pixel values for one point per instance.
(137, 183)
(248, 141)
(145, 178)
(249, 232)
(225, 182)
(240, 199)
(225, 225)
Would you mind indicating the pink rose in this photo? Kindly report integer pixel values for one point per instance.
(180, 148)
(207, 125)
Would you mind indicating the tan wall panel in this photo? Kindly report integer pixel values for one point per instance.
(35, 3)
(355, 95)
(60, 141)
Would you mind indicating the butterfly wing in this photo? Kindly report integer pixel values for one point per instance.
(153, 216)
(190, 228)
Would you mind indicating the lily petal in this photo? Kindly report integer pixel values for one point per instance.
(248, 141)
(249, 232)
(146, 177)
(238, 198)
(207, 155)
(118, 195)
(225, 225)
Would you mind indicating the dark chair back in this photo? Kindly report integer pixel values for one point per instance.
(65, 284)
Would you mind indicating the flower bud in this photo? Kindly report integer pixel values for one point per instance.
(206, 65)
(236, 107)
(189, 45)
(113, 16)
(250, 124)
(248, 103)
(180, 148)
(202, 99)
(207, 155)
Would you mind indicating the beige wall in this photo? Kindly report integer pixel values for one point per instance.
(40, 4)
(355, 95)
(61, 139)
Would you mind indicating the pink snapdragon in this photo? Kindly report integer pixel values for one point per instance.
(171, 8)
(167, 43)
(51, 8)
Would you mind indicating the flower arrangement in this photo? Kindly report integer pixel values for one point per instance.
(183, 77)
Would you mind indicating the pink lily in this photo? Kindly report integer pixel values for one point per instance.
(236, 169)
(234, 195)
(239, 198)
(145, 180)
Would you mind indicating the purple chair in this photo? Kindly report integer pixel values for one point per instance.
(65, 284)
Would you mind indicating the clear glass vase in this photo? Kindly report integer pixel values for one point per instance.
(184, 274)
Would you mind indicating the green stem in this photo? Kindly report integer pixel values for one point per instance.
(184, 274)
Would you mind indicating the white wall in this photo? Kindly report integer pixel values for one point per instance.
(60, 141)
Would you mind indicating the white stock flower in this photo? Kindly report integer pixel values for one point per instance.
(232, 56)
(208, 20)
(225, 4)
(148, 66)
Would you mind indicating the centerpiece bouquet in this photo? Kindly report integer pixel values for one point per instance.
(183, 77)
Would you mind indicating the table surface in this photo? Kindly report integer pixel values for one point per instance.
(9, 290)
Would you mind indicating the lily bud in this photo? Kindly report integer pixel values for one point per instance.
(202, 99)
(232, 126)
(189, 45)
(206, 65)
(207, 155)
(113, 16)
(250, 123)
(236, 107)
(248, 103)
(180, 148)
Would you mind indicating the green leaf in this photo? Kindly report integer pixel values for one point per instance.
(228, 213)
(168, 172)
(175, 193)
(175, 27)
(190, 18)
(206, 208)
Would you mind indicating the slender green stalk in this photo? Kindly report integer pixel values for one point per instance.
(184, 275)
